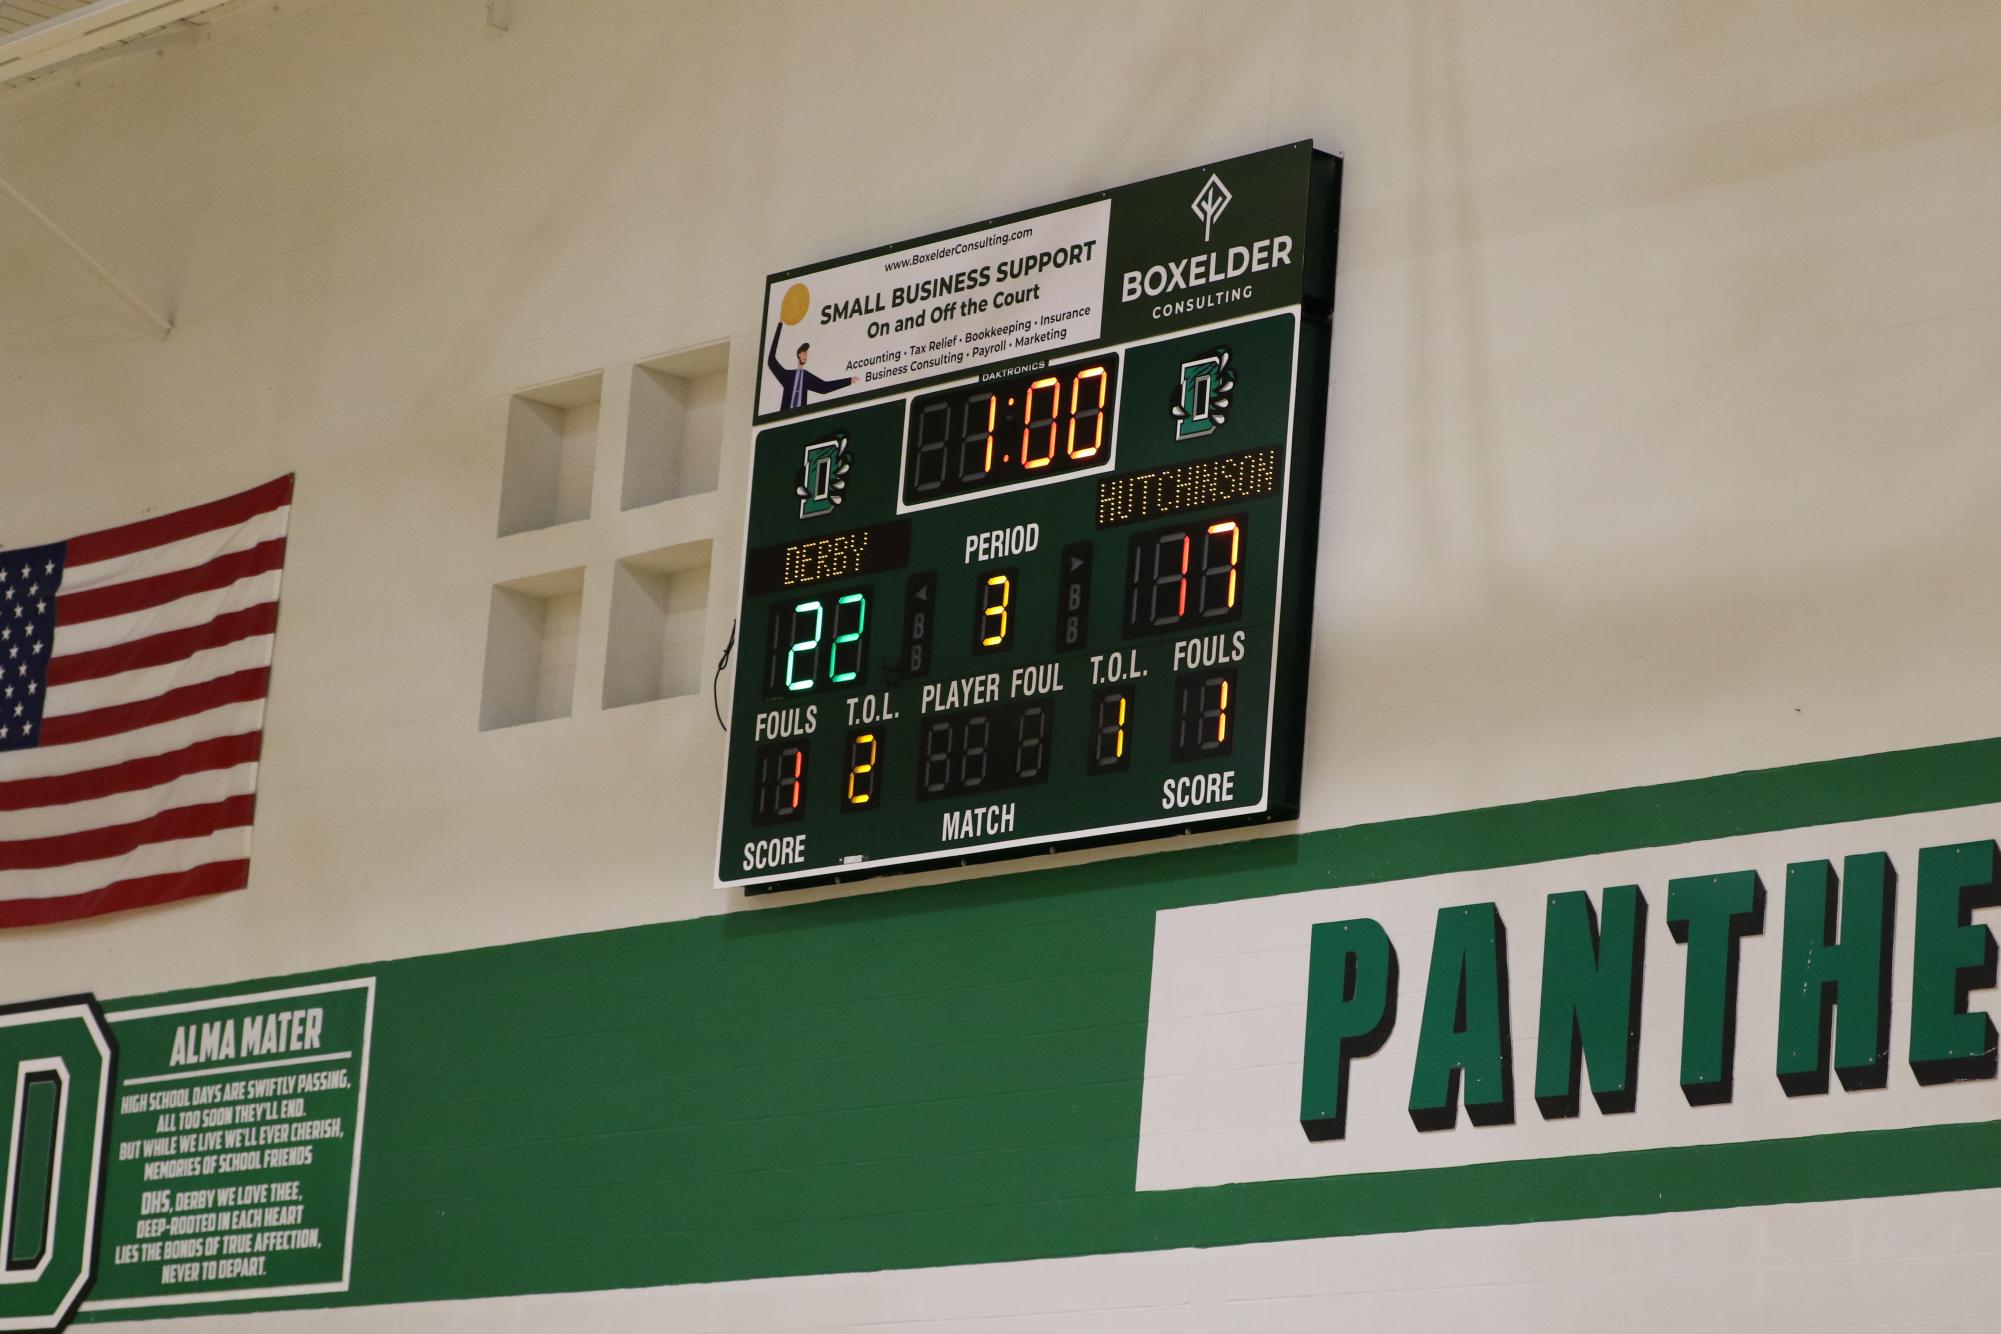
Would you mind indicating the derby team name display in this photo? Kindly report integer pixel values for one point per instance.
(1032, 527)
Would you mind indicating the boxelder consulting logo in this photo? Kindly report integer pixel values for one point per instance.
(1193, 272)
(1210, 201)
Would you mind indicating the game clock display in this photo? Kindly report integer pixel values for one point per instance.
(1033, 602)
(1031, 427)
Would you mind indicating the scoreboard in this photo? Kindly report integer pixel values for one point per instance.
(1031, 537)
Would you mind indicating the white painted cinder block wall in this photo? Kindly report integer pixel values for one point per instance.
(1661, 445)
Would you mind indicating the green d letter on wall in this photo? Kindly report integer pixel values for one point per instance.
(56, 1060)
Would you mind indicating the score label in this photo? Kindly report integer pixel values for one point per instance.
(1009, 605)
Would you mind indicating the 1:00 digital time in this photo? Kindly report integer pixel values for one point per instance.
(1005, 432)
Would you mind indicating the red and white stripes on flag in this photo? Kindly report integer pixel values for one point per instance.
(133, 668)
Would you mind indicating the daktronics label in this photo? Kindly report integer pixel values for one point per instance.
(1030, 559)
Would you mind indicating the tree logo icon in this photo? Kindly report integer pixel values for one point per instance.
(1210, 201)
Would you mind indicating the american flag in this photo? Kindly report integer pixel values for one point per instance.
(133, 668)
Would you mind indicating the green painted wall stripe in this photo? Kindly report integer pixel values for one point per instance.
(952, 1074)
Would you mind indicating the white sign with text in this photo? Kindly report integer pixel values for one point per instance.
(999, 294)
(1227, 1018)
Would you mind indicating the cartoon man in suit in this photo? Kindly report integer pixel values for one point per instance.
(795, 381)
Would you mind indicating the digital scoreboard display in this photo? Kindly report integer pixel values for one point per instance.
(1032, 528)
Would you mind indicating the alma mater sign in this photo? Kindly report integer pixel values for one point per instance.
(1032, 517)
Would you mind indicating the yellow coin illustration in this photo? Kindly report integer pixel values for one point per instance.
(793, 308)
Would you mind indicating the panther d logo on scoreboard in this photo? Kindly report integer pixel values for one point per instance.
(823, 476)
(1204, 400)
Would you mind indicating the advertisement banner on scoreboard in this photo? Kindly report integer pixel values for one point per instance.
(1012, 290)
(1227, 240)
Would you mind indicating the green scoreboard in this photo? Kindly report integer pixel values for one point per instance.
(1031, 537)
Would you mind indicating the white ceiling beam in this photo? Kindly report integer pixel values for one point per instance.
(92, 28)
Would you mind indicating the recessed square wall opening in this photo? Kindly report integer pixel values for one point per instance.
(552, 437)
(674, 439)
(659, 613)
(531, 649)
